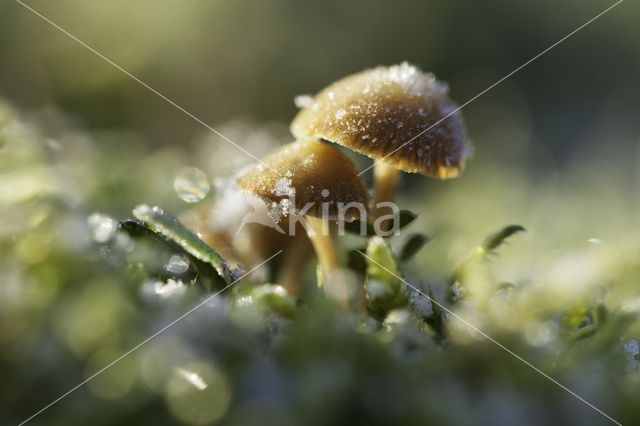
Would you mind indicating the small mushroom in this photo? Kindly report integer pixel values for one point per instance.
(313, 179)
(221, 223)
(399, 116)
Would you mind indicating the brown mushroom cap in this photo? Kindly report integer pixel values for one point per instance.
(384, 109)
(307, 172)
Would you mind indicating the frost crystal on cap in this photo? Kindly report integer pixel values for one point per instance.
(283, 187)
(310, 174)
(398, 115)
(302, 101)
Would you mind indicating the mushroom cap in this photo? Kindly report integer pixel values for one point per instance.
(219, 224)
(307, 172)
(384, 113)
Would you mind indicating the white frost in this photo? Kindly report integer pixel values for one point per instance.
(303, 101)
(282, 187)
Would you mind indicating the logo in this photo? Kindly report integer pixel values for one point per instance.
(284, 214)
(259, 214)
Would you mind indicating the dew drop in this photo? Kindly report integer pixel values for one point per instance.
(103, 228)
(154, 291)
(191, 184)
(325, 193)
(177, 264)
(340, 114)
(143, 212)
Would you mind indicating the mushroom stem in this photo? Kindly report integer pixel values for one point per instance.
(385, 184)
(291, 270)
(335, 286)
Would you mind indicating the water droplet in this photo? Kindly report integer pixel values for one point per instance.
(102, 227)
(340, 114)
(330, 95)
(191, 184)
(143, 212)
(178, 264)
(325, 193)
(154, 290)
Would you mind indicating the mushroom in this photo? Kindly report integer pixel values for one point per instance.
(399, 116)
(315, 180)
(225, 224)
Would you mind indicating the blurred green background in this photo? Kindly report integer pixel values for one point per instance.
(227, 59)
(556, 150)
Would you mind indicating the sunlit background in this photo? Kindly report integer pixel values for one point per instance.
(82, 143)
